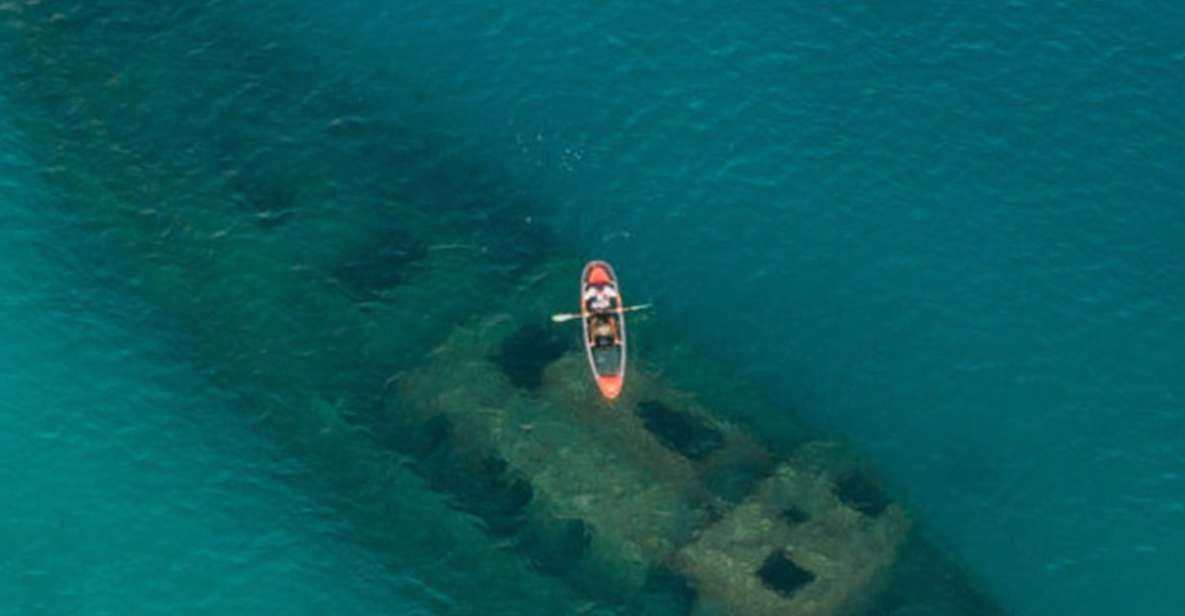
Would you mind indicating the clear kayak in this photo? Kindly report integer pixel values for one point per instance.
(602, 313)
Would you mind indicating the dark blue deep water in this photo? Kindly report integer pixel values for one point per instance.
(949, 233)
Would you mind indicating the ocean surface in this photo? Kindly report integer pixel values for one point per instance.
(130, 486)
(949, 234)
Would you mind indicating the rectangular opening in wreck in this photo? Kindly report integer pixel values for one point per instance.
(526, 352)
(782, 575)
(858, 491)
(680, 431)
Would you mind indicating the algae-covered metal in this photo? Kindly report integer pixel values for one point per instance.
(656, 485)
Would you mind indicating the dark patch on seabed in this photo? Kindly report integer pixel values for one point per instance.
(380, 264)
(529, 350)
(428, 441)
(735, 481)
(555, 548)
(269, 201)
(794, 516)
(680, 431)
(917, 586)
(511, 243)
(499, 501)
(783, 575)
(860, 492)
(485, 488)
(668, 592)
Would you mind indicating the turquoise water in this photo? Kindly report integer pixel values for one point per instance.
(130, 487)
(950, 234)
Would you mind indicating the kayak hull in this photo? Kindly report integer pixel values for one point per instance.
(604, 327)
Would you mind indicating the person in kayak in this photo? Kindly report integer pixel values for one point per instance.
(604, 333)
(600, 297)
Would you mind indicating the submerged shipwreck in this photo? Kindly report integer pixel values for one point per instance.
(652, 490)
(414, 356)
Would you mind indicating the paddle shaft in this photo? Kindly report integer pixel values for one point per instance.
(568, 316)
